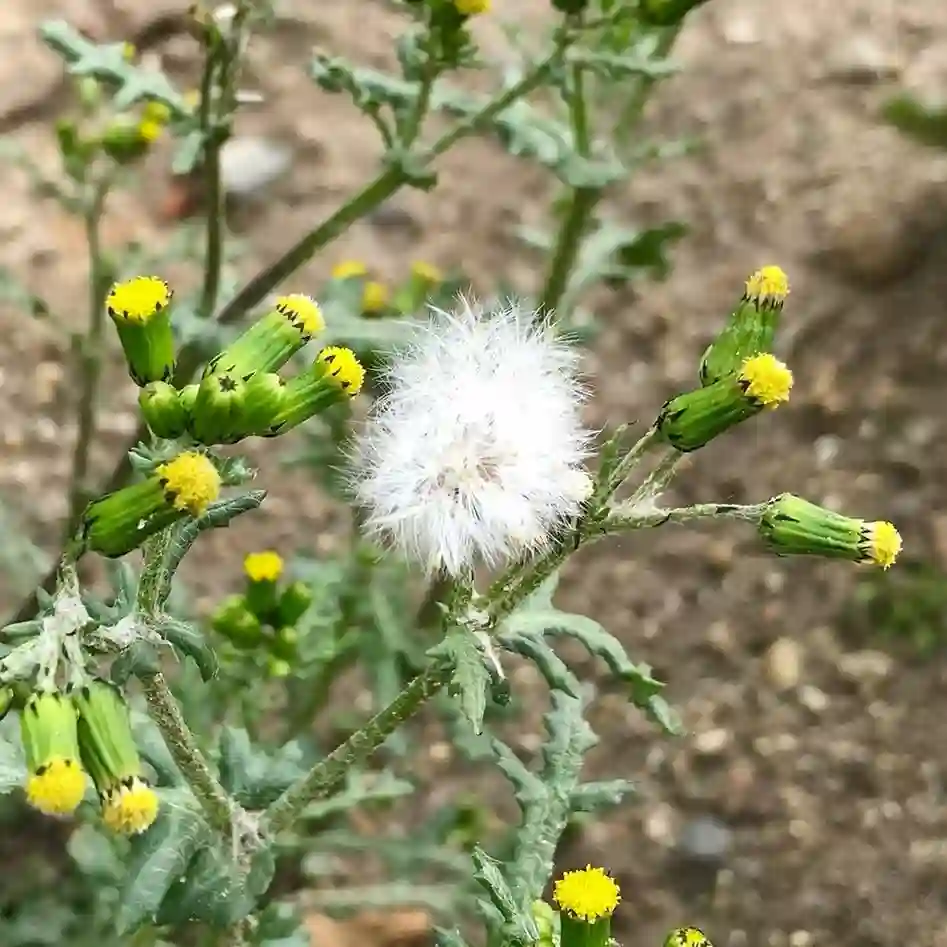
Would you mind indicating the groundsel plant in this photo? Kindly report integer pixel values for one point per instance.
(475, 456)
(183, 749)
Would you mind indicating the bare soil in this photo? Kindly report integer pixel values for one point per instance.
(821, 755)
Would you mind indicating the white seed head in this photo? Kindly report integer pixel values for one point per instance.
(475, 452)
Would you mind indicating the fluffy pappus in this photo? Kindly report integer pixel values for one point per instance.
(475, 452)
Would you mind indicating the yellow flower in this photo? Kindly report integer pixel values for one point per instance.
(374, 296)
(129, 52)
(157, 112)
(139, 299)
(766, 380)
(349, 269)
(131, 807)
(687, 937)
(57, 786)
(472, 7)
(263, 566)
(343, 367)
(190, 482)
(883, 543)
(426, 272)
(588, 894)
(303, 311)
(768, 287)
(150, 131)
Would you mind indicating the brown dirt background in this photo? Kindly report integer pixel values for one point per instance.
(824, 756)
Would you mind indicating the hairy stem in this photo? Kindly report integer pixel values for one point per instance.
(167, 715)
(213, 142)
(90, 357)
(629, 516)
(326, 776)
(581, 206)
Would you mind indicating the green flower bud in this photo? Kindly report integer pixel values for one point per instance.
(126, 139)
(7, 699)
(139, 309)
(694, 418)
(162, 410)
(545, 919)
(272, 341)
(129, 804)
(792, 526)
(262, 402)
(218, 409)
(336, 375)
(56, 781)
(687, 937)
(751, 327)
(119, 522)
(263, 571)
(237, 623)
(285, 644)
(294, 603)
(188, 398)
(665, 12)
(278, 667)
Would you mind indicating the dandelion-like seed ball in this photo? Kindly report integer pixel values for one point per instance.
(475, 453)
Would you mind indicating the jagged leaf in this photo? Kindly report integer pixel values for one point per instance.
(472, 679)
(211, 891)
(191, 642)
(517, 925)
(108, 62)
(591, 797)
(253, 776)
(448, 938)
(154, 750)
(160, 857)
(545, 818)
(359, 789)
(924, 123)
(94, 853)
(537, 622)
(12, 761)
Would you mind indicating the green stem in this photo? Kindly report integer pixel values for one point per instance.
(91, 351)
(582, 202)
(213, 142)
(180, 742)
(364, 202)
(629, 516)
(326, 776)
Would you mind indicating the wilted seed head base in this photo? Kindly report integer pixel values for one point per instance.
(475, 453)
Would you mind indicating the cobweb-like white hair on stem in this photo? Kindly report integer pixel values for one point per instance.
(475, 453)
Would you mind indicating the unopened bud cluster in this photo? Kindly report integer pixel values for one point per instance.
(241, 393)
(739, 375)
(265, 616)
(374, 299)
(82, 734)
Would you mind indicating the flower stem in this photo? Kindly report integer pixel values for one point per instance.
(90, 357)
(213, 141)
(167, 715)
(582, 202)
(325, 777)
